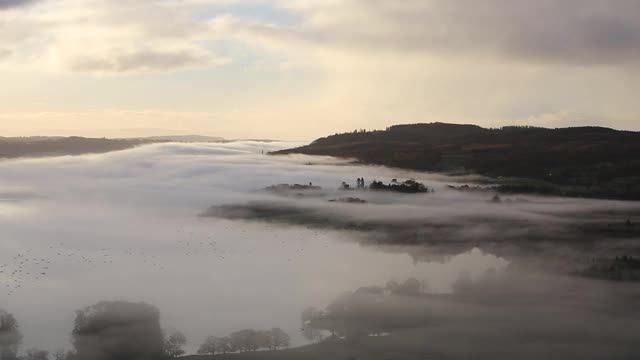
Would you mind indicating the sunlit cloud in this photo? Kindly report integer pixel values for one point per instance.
(339, 64)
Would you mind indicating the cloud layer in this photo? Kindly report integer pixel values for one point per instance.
(78, 230)
(95, 36)
(339, 65)
(108, 37)
(91, 228)
(571, 32)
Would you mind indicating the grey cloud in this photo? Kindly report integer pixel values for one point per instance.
(142, 60)
(572, 31)
(8, 4)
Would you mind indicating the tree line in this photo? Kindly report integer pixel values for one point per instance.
(247, 340)
(119, 330)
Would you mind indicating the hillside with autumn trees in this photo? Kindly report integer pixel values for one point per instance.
(581, 161)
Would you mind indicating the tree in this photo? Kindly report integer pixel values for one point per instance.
(36, 354)
(209, 346)
(215, 345)
(391, 286)
(463, 284)
(10, 336)
(223, 345)
(265, 341)
(245, 340)
(175, 343)
(118, 330)
(309, 332)
(411, 287)
(279, 338)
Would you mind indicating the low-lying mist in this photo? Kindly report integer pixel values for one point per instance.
(190, 229)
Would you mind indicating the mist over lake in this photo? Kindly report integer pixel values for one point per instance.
(126, 225)
(133, 225)
(319, 180)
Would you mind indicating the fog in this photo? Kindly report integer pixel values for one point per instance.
(126, 225)
(129, 225)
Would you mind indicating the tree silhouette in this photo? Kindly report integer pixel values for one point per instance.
(245, 340)
(117, 330)
(223, 345)
(173, 345)
(10, 336)
(279, 338)
(209, 346)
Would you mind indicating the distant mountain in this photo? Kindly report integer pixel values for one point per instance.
(40, 146)
(198, 139)
(183, 138)
(580, 161)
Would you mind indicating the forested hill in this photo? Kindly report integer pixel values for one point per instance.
(580, 161)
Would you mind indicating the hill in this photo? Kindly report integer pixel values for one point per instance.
(39, 146)
(42, 146)
(581, 161)
(183, 138)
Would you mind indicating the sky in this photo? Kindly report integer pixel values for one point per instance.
(301, 69)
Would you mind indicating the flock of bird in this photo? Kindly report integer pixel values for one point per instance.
(33, 266)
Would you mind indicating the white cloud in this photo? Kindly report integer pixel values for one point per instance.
(355, 63)
(95, 36)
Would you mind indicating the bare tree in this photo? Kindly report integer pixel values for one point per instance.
(279, 338)
(209, 346)
(245, 340)
(223, 345)
(174, 344)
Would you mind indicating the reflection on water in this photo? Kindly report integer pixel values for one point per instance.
(206, 276)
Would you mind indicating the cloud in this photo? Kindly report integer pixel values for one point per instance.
(90, 36)
(492, 62)
(144, 60)
(8, 4)
(572, 32)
